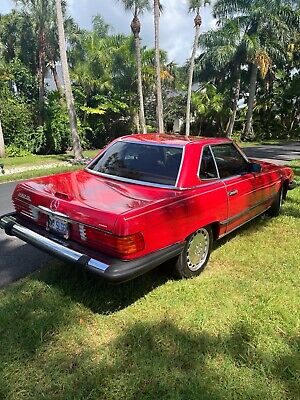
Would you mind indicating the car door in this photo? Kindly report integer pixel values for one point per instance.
(240, 184)
(268, 183)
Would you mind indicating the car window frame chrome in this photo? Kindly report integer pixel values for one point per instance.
(181, 166)
(134, 181)
(240, 152)
(200, 162)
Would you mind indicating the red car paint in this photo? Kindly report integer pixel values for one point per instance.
(145, 219)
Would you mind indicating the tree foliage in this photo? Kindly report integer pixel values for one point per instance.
(103, 67)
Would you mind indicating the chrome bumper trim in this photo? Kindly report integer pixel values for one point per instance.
(47, 211)
(12, 228)
(113, 270)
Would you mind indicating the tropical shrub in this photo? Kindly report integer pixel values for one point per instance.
(17, 119)
(14, 151)
(57, 127)
(22, 80)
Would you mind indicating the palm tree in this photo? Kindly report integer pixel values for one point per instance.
(235, 99)
(67, 82)
(194, 6)
(268, 27)
(52, 55)
(225, 52)
(2, 147)
(137, 7)
(41, 12)
(159, 107)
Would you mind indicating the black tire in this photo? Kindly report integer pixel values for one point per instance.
(187, 265)
(274, 210)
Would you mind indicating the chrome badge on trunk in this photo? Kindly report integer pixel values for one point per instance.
(24, 196)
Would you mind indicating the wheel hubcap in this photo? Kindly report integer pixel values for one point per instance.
(198, 249)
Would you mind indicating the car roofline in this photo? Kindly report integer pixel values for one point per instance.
(133, 181)
(172, 140)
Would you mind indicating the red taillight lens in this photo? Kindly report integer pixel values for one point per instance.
(116, 245)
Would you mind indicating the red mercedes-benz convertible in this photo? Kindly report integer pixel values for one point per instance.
(146, 199)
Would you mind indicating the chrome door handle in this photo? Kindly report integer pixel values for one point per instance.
(233, 192)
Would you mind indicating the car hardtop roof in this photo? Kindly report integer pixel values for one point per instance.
(172, 140)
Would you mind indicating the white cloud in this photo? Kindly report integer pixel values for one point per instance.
(177, 26)
(177, 29)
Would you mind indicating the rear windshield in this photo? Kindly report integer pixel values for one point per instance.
(140, 162)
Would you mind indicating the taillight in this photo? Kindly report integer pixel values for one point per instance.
(116, 245)
(129, 245)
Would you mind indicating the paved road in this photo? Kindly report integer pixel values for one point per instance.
(279, 154)
(18, 259)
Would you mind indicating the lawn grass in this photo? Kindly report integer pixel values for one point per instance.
(35, 161)
(232, 333)
(10, 162)
(37, 172)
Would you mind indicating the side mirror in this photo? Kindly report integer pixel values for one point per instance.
(255, 168)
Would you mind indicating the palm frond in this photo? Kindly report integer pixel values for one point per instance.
(196, 5)
(137, 7)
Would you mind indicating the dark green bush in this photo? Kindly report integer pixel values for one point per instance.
(57, 128)
(17, 122)
(25, 83)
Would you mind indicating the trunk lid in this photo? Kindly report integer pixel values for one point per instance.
(87, 198)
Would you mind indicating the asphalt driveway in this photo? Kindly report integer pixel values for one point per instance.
(18, 259)
(279, 154)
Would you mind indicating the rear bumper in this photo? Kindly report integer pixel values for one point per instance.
(110, 269)
(292, 185)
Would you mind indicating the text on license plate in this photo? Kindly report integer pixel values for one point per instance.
(58, 226)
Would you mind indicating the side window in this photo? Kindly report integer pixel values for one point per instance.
(229, 160)
(207, 168)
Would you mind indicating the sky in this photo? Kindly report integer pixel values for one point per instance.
(177, 26)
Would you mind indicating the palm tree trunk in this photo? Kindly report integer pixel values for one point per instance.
(57, 80)
(140, 83)
(252, 93)
(136, 119)
(67, 82)
(41, 74)
(190, 84)
(2, 147)
(200, 127)
(159, 107)
(235, 100)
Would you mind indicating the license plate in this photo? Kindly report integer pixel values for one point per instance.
(58, 226)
